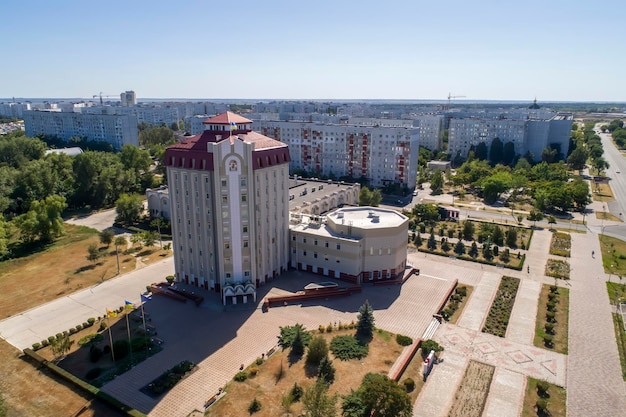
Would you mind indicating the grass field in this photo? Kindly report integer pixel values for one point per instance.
(556, 399)
(62, 268)
(57, 270)
(602, 193)
(269, 389)
(613, 255)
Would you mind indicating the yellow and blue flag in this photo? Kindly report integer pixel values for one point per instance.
(233, 126)
(128, 304)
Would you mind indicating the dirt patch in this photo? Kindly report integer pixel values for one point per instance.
(383, 351)
(471, 396)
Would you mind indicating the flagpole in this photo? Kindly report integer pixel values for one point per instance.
(130, 345)
(143, 316)
(110, 337)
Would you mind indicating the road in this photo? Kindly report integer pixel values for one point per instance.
(618, 181)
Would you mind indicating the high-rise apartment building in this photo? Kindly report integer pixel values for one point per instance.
(229, 207)
(528, 134)
(128, 98)
(116, 129)
(384, 155)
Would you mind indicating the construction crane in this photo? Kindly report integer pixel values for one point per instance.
(103, 95)
(450, 97)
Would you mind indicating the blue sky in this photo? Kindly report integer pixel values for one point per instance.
(484, 50)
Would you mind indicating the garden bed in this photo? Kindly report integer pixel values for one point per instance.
(561, 244)
(168, 379)
(554, 397)
(553, 329)
(557, 268)
(470, 398)
(497, 320)
(456, 303)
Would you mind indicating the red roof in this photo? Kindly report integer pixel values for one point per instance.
(226, 119)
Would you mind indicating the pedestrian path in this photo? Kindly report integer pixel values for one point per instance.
(521, 328)
(480, 301)
(506, 394)
(438, 393)
(595, 384)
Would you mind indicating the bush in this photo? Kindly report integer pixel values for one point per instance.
(254, 406)
(326, 370)
(89, 338)
(138, 344)
(106, 349)
(241, 376)
(79, 327)
(259, 361)
(91, 321)
(50, 339)
(348, 347)
(72, 330)
(329, 328)
(321, 329)
(94, 373)
(318, 349)
(102, 326)
(462, 291)
(428, 345)
(121, 348)
(551, 306)
(542, 406)
(59, 336)
(44, 343)
(36, 346)
(409, 384)
(95, 353)
(403, 340)
(551, 317)
(547, 340)
(296, 392)
(553, 296)
(542, 388)
(549, 328)
(253, 370)
(554, 289)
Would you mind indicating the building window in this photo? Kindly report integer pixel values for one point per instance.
(244, 198)
(304, 253)
(315, 255)
(245, 229)
(243, 182)
(315, 242)
(325, 257)
(226, 245)
(228, 275)
(224, 199)
(223, 183)
(326, 244)
(245, 243)
(304, 240)
(293, 238)
(246, 273)
(338, 246)
(337, 260)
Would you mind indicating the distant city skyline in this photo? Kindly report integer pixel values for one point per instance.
(399, 50)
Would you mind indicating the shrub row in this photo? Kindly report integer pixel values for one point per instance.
(169, 378)
(517, 267)
(453, 302)
(551, 307)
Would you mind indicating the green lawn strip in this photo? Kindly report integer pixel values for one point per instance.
(620, 336)
(613, 255)
(561, 326)
(500, 311)
(616, 292)
(556, 400)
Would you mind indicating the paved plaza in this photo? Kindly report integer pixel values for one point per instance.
(219, 340)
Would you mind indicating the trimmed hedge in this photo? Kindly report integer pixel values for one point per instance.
(517, 267)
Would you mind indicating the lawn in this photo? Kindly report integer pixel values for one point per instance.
(561, 324)
(620, 336)
(269, 389)
(602, 192)
(555, 398)
(613, 255)
(62, 268)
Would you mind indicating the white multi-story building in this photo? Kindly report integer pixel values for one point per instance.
(229, 207)
(431, 130)
(526, 134)
(118, 130)
(14, 110)
(128, 98)
(383, 155)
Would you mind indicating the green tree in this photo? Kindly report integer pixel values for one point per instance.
(288, 334)
(498, 236)
(60, 346)
(496, 151)
(369, 197)
(511, 238)
(135, 159)
(318, 349)
(549, 154)
(427, 213)
(432, 242)
(120, 241)
(43, 221)
(326, 370)
(383, 397)
(428, 345)
(535, 216)
(494, 185)
(473, 252)
(153, 136)
(436, 182)
(317, 402)
(481, 151)
(508, 153)
(106, 237)
(365, 323)
(297, 344)
(445, 246)
(93, 253)
(578, 189)
(459, 248)
(128, 208)
(352, 405)
(149, 238)
(468, 230)
(487, 252)
(578, 158)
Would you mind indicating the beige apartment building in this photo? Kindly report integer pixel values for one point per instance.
(229, 208)
(356, 244)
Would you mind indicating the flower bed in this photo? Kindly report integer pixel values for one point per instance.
(561, 244)
(168, 379)
(557, 269)
(500, 311)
